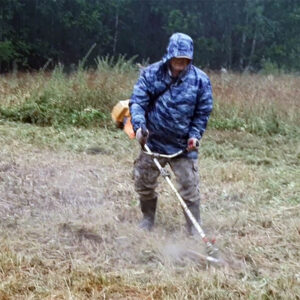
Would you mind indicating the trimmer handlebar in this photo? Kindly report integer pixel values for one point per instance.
(157, 155)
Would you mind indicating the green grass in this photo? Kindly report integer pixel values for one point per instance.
(80, 99)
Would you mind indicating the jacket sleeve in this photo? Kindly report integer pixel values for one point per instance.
(203, 109)
(139, 100)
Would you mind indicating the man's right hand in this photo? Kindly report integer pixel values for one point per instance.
(142, 135)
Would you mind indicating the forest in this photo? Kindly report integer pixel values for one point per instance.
(234, 34)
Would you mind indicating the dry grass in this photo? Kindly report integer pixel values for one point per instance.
(248, 91)
(68, 220)
(257, 104)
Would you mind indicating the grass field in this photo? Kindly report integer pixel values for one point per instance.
(69, 216)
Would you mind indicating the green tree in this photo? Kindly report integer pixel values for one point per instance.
(229, 33)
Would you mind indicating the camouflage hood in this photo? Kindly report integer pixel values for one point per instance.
(180, 45)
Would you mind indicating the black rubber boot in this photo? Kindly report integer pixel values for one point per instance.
(148, 209)
(194, 208)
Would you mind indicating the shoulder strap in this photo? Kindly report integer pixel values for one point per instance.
(153, 98)
(162, 92)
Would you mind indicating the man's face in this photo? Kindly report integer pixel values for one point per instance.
(178, 65)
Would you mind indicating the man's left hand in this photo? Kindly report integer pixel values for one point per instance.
(193, 144)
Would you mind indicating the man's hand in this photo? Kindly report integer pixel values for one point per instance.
(142, 135)
(193, 144)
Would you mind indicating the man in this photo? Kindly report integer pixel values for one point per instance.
(170, 107)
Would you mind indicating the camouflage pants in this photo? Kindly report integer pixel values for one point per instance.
(186, 172)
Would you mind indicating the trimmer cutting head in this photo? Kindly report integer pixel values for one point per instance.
(213, 253)
(211, 259)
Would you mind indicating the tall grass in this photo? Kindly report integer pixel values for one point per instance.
(82, 98)
(257, 104)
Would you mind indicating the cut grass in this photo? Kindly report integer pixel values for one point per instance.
(69, 219)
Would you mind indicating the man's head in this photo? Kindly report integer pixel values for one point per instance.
(178, 64)
(179, 52)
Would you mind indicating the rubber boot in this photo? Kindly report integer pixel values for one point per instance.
(148, 209)
(194, 208)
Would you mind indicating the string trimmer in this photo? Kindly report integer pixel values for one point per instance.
(211, 250)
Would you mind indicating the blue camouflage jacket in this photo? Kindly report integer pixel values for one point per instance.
(182, 108)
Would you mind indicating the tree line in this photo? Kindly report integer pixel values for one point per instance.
(234, 34)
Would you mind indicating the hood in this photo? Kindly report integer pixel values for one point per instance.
(180, 45)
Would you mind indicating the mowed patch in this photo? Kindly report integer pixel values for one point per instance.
(69, 220)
